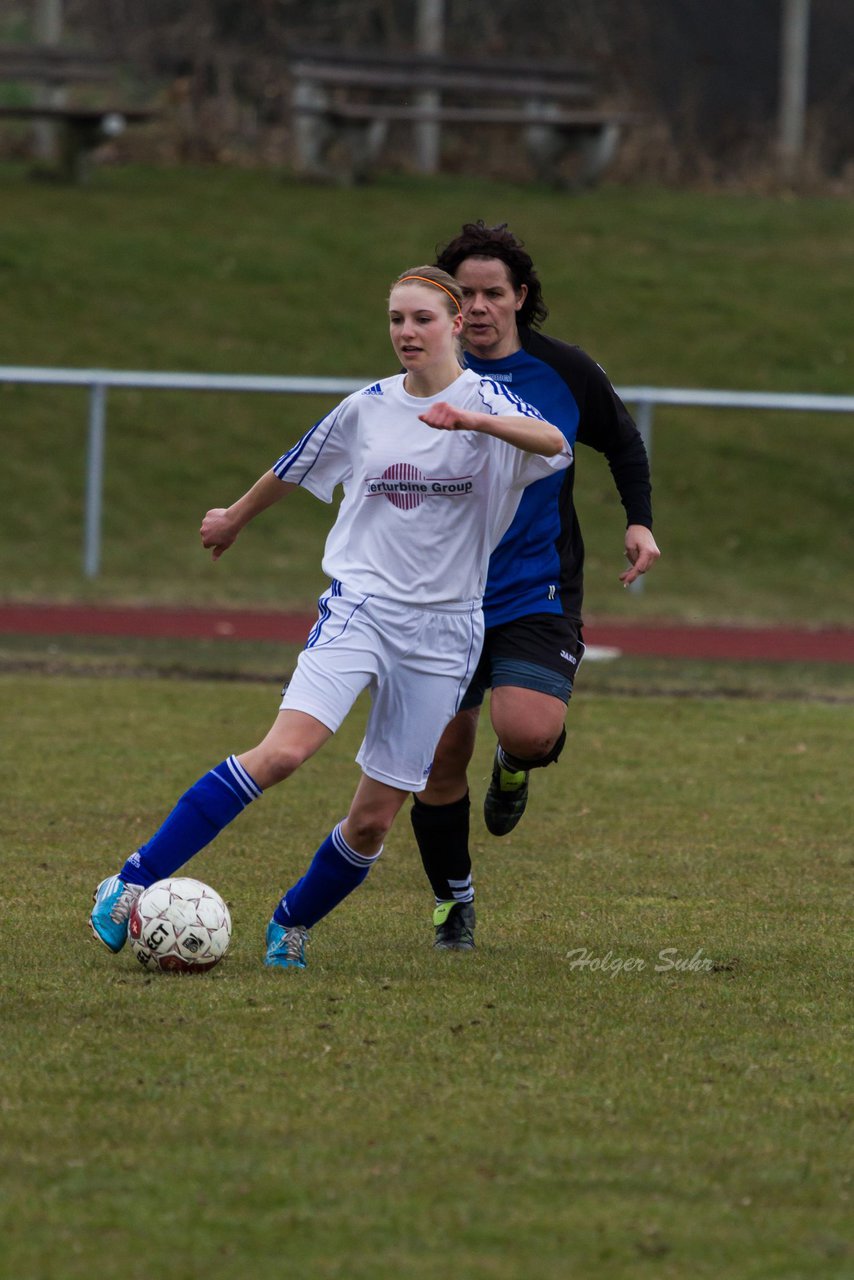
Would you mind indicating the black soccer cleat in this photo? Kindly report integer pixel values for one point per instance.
(505, 800)
(454, 923)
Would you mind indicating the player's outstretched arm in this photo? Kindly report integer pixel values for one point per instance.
(221, 525)
(531, 435)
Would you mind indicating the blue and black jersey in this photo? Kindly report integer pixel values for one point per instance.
(538, 566)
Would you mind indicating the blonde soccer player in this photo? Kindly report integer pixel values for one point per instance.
(433, 462)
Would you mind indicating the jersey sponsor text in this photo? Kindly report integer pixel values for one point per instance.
(407, 487)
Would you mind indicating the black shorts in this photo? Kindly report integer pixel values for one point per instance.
(542, 651)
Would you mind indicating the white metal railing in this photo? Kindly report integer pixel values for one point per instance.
(98, 381)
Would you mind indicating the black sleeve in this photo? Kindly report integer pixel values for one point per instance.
(604, 424)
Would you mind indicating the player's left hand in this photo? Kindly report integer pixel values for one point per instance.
(641, 552)
(444, 417)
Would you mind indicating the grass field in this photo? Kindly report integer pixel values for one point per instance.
(396, 1112)
(216, 270)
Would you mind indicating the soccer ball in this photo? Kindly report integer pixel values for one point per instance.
(179, 926)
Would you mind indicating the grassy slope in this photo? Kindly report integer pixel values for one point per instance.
(393, 1109)
(225, 271)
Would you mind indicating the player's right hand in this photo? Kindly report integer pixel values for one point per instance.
(217, 532)
(445, 417)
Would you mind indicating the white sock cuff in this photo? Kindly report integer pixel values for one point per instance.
(463, 890)
(350, 855)
(239, 782)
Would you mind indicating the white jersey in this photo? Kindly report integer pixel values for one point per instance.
(422, 508)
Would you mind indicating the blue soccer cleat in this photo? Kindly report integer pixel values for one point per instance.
(285, 946)
(113, 900)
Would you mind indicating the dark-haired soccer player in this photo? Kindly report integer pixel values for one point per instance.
(532, 604)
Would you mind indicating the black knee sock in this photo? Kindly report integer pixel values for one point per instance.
(442, 833)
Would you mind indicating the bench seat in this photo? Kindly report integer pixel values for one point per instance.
(344, 101)
(81, 129)
(46, 71)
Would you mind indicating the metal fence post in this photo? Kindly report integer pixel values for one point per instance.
(94, 479)
(643, 422)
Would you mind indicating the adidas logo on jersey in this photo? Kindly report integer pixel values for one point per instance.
(375, 390)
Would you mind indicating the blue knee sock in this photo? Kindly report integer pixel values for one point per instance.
(335, 871)
(201, 813)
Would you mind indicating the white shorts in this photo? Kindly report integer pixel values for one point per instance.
(415, 661)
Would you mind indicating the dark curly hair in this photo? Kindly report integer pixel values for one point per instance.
(477, 240)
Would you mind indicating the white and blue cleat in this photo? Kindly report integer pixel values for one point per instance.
(285, 946)
(113, 900)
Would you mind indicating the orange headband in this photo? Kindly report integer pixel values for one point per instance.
(438, 286)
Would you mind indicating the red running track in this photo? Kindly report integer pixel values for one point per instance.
(648, 639)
